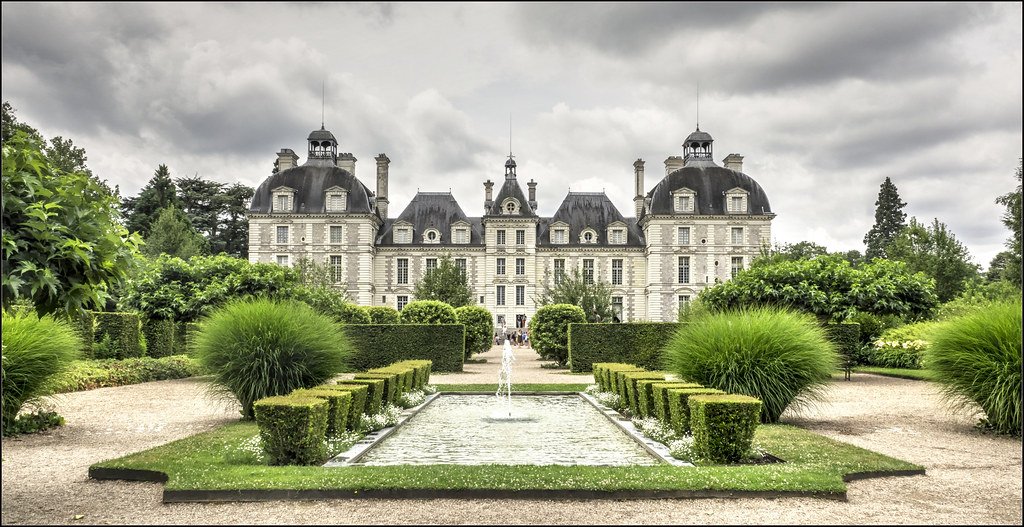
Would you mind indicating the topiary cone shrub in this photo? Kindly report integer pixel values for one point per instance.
(780, 357)
(549, 330)
(977, 360)
(428, 312)
(263, 348)
(479, 328)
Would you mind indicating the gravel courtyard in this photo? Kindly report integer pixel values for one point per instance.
(971, 478)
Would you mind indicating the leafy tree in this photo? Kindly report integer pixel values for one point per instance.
(549, 330)
(63, 244)
(446, 283)
(10, 124)
(936, 252)
(594, 298)
(173, 234)
(234, 231)
(829, 287)
(1012, 220)
(159, 193)
(889, 221)
(479, 328)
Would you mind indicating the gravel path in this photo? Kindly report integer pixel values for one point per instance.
(972, 478)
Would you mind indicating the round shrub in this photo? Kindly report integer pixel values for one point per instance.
(549, 330)
(353, 314)
(479, 328)
(781, 357)
(34, 349)
(262, 348)
(428, 312)
(976, 359)
(383, 314)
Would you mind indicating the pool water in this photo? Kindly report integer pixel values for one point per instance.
(547, 430)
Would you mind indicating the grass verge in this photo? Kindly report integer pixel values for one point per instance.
(484, 388)
(902, 373)
(221, 460)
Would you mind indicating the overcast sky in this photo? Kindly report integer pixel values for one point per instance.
(823, 100)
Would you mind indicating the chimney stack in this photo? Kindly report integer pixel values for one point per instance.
(286, 159)
(347, 161)
(638, 175)
(733, 162)
(488, 201)
(382, 185)
(673, 163)
(533, 194)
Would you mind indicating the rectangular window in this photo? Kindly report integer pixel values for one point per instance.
(335, 265)
(588, 271)
(403, 271)
(520, 295)
(403, 235)
(684, 300)
(282, 260)
(282, 204)
(737, 235)
(501, 237)
(461, 235)
(500, 267)
(558, 236)
(617, 237)
(520, 266)
(684, 269)
(684, 203)
(402, 301)
(559, 270)
(282, 234)
(736, 204)
(683, 235)
(461, 264)
(337, 234)
(431, 264)
(520, 237)
(499, 295)
(617, 271)
(617, 308)
(336, 202)
(737, 265)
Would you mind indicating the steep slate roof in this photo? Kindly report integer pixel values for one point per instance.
(710, 182)
(581, 210)
(437, 210)
(310, 182)
(511, 188)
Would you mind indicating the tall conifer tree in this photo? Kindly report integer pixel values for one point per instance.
(889, 221)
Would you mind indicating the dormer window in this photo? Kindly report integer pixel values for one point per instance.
(588, 236)
(431, 236)
(617, 236)
(282, 200)
(403, 234)
(560, 236)
(460, 235)
(336, 199)
(683, 200)
(736, 201)
(510, 206)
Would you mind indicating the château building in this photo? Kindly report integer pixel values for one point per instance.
(700, 224)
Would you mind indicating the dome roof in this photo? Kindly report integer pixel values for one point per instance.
(510, 163)
(699, 136)
(310, 182)
(320, 135)
(710, 183)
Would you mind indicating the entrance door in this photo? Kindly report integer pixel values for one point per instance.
(520, 321)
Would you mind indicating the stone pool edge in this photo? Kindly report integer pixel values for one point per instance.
(370, 440)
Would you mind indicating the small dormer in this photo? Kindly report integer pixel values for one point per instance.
(460, 232)
(432, 236)
(588, 236)
(617, 233)
(510, 206)
(684, 201)
(736, 201)
(402, 232)
(559, 233)
(283, 200)
(335, 199)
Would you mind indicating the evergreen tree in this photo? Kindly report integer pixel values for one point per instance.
(174, 235)
(936, 252)
(1012, 220)
(447, 283)
(142, 211)
(889, 221)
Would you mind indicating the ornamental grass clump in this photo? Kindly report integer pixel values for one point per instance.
(34, 349)
(262, 348)
(780, 357)
(977, 359)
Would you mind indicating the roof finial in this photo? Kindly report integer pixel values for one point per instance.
(698, 105)
(510, 135)
(323, 99)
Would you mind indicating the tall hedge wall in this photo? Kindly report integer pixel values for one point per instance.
(118, 336)
(846, 337)
(160, 337)
(637, 343)
(378, 345)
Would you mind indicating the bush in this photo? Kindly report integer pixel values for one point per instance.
(118, 336)
(679, 405)
(85, 325)
(479, 328)
(897, 354)
(377, 345)
(781, 358)
(630, 380)
(293, 429)
(639, 343)
(600, 370)
(549, 330)
(977, 359)
(379, 390)
(421, 371)
(261, 348)
(34, 349)
(360, 401)
(614, 380)
(846, 338)
(723, 426)
(160, 337)
(872, 326)
(428, 312)
(33, 422)
(106, 373)
(383, 315)
(659, 397)
(339, 406)
(353, 314)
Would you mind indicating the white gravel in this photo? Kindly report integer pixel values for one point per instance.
(972, 478)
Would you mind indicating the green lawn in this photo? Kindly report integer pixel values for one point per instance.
(903, 373)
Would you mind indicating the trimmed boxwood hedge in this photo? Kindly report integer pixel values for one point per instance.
(376, 395)
(637, 343)
(422, 371)
(338, 409)
(618, 381)
(359, 400)
(678, 406)
(723, 426)
(629, 383)
(377, 345)
(428, 312)
(160, 337)
(117, 336)
(292, 429)
(84, 324)
(846, 337)
(659, 395)
(405, 376)
(189, 330)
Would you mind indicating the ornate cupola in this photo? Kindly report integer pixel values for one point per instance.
(510, 167)
(323, 147)
(697, 146)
